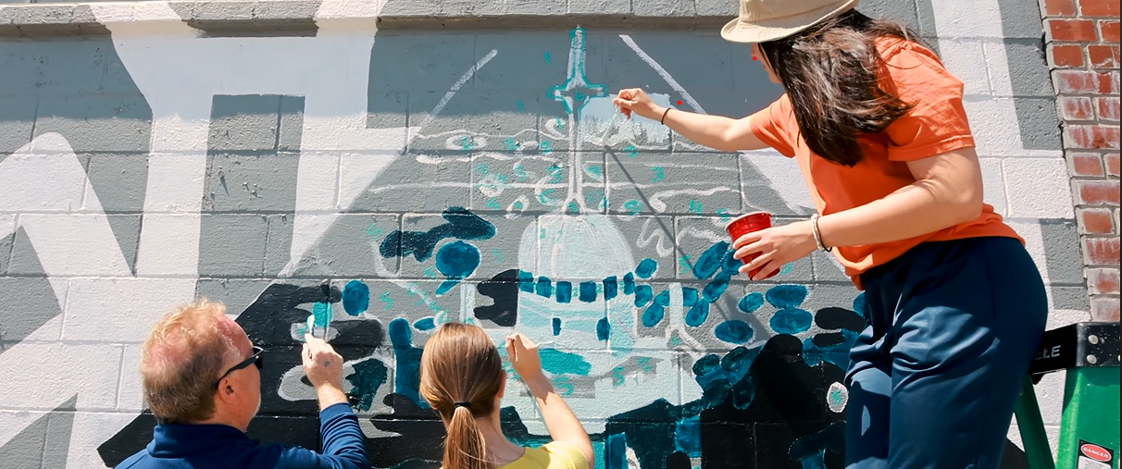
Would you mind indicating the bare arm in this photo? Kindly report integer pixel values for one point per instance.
(559, 419)
(717, 132)
(947, 191)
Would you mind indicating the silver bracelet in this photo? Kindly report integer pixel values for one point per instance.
(818, 234)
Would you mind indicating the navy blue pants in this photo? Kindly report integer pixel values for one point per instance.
(951, 329)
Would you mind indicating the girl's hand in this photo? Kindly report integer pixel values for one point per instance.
(776, 246)
(635, 100)
(524, 358)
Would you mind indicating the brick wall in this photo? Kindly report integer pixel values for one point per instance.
(1082, 41)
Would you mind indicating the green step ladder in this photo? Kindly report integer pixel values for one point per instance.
(1089, 426)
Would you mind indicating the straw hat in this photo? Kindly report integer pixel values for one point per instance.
(769, 20)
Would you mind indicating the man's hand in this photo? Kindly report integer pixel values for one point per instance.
(324, 369)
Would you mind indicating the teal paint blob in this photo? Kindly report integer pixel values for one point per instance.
(603, 329)
(733, 332)
(646, 268)
(710, 260)
(556, 326)
(791, 321)
(321, 317)
(558, 362)
(751, 302)
(356, 297)
(786, 296)
(424, 324)
(455, 260)
(369, 375)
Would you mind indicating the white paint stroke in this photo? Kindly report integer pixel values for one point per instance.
(452, 91)
(663, 73)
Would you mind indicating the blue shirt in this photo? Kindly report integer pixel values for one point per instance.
(177, 446)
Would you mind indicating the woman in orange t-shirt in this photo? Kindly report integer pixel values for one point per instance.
(955, 305)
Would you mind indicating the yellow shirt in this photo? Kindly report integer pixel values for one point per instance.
(552, 455)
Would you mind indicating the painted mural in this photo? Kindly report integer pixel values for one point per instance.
(366, 188)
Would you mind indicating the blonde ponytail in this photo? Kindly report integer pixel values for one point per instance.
(464, 447)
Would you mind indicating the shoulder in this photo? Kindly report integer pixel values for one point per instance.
(564, 456)
(909, 63)
(140, 460)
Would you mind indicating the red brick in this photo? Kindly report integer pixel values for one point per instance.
(1111, 161)
(1086, 164)
(1104, 309)
(1085, 82)
(1101, 251)
(1091, 137)
(1096, 221)
(1059, 8)
(1108, 30)
(1077, 108)
(1099, 8)
(1073, 30)
(1065, 55)
(1103, 56)
(1107, 108)
(1102, 281)
(1096, 192)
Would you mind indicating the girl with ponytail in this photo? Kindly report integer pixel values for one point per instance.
(462, 378)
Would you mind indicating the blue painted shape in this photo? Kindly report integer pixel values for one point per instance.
(525, 281)
(546, 57)
(425, 324)
(576, 92)
(356, 297)
(663, 298)
(556, 326)
(710, 260)
(521, 108)
(818, 461)
(697, 314)
(629, 283)
(615, 456)
(643, 295)
(321, 317)
(687, 436)
(385, 298)
(611, 287)
(653, 315)
(731, 265)
(407, 377)
(462, 224)
(727, 375)
(544, 287)
(715, 288)
(646, 268)
(564, 291)
(733, 331)
(558, 362)
(456, 260)
(603, 329)
(837, 354)
(689, 296)
(369, 375)
(751, 302)
(587, 292)
(706, 365)
(861, 305)
(786, 296)
(791, 321)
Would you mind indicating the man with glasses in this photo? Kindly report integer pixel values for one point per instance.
(201, 382)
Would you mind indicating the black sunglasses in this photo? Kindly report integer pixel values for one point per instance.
(254, 359)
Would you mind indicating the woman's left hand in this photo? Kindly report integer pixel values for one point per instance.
(777, 246)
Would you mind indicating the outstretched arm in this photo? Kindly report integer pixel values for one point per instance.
(717, 132)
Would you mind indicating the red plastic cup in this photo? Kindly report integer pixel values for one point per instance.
(745, 224)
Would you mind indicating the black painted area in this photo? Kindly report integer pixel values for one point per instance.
(503, 291)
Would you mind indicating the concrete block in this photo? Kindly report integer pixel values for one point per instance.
(244, 123)
(764, 189)
(135, 307)
(534, 8)
(244, 183)
(119, 180)
(222, 11)
(990, 118)
(533, 62)
(236, 294)
(25, 447)
(112, 123)
(966, 60)
(468, 8)
(130, 397)
(993, 185)
(678, 184)
(399, 8)
(278, 246)
(665, 8)
(52, 369)
(232, 245)
(21, 258)
(1038, 188)
(422, 183)
(496, 254)
(349, 249)
(32, 303)
(471, 121)
(7, 237)
(695, 236)
(116, 77)
(528, 183)
(1073, 298)
(727, 8)
(386, 110)
(893, 10)
(827, 268)
(66, 66)
(44, 14)
(1062, 251)
(71, 255)
(17, 118)
(599, 7)
(1026, 64)
(126, 228)
(291, 123)
(1019, 20)
(428, 63)
(284, 10)
(650, 237)
(566, 326)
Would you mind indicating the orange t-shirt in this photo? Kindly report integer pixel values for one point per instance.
(936, 124)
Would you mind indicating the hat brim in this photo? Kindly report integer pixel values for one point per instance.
(779, 28)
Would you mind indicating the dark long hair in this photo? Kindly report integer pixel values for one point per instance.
(461, 373)
(830, 74)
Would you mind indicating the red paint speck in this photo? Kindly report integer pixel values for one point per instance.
(679, 103)
(753, 57)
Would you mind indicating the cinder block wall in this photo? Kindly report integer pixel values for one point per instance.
(388, 166)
